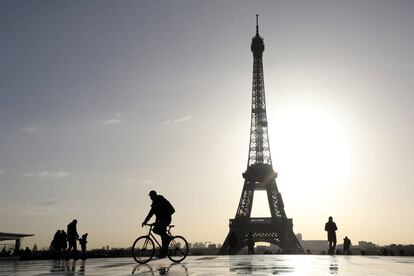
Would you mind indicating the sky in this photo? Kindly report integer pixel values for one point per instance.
(103, 101)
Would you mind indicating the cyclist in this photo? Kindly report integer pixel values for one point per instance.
(162, 209)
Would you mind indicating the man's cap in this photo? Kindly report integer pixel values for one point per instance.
(152, 193)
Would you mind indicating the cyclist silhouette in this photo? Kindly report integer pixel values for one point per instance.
(162, 209)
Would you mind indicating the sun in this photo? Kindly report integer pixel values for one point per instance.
(311, 152)
(310, 149)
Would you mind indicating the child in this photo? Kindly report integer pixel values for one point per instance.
(82, 242)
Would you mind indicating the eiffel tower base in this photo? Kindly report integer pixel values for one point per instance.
(277, 231)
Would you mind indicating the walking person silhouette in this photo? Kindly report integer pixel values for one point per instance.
(347, 246)
(64, 242)
(56, 245)
(163, 210)
(330, 227)
(83, 242)
(250, 244)
(232, 243)
(73, 237)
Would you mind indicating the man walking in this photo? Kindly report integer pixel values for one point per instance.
(73, 237)
(163, 210)
(330, 227)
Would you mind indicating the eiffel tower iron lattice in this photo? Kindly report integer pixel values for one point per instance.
(260, 176)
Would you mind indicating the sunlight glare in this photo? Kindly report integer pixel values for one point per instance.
(311, 149)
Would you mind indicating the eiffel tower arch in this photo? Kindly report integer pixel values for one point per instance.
(260, 176)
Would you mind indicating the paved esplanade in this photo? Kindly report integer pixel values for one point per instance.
(220, 265)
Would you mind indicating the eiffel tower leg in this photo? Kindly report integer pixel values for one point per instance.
(289, 242)
(246, 201)
(241, 241)
(224, 250)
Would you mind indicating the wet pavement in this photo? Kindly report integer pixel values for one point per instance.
(220, 265)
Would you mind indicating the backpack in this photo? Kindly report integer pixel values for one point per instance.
(168, 207)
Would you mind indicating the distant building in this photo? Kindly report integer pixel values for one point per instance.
(212, 246)
(313, 246)
(199, 245)
(34, 248)
(367, 246)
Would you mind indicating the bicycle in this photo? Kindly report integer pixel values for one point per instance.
(143, 248)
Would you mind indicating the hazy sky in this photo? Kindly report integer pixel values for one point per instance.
(102, 101)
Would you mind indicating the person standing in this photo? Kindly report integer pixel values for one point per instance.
(330, 227)
(347, 246)
(56, 245)
(73, 236)
(232, 243)
(83, 242)
(250, 244)
(163, 210)
(64, 242)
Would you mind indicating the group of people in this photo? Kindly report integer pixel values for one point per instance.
(64, 243)
(330, 228)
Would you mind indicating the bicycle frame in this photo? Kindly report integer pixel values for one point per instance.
(144, 251)
(150, 235)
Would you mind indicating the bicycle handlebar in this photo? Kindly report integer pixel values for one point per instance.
(153, 224)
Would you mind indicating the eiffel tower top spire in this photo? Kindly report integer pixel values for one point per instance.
(257, 42)
(259, 149)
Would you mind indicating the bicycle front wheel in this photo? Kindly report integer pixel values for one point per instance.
(143, 249)
(177, 249)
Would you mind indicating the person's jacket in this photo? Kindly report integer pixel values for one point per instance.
(161, 208)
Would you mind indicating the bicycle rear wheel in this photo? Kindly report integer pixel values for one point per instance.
(177, 249)
(143, 249)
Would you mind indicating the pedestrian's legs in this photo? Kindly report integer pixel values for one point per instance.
(83, 256)
(68, 251)
(330, 247)
(72, 250)
(75, 250)
(333, 246)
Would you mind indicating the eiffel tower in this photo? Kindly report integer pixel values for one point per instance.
(260, 176)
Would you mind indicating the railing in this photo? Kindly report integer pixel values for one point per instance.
(259, 220)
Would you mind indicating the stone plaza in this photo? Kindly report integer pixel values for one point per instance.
(219, 265)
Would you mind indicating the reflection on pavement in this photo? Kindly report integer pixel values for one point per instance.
(69, 267)
(333, 266)
(259, 267)
(147, 269)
